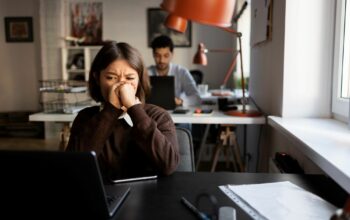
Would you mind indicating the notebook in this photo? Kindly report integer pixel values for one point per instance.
(162, 92)
(59, 185)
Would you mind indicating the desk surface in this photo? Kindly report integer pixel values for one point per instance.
(160, 199)
(217, 117)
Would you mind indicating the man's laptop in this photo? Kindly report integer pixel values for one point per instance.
(162, 92)
(52, 184)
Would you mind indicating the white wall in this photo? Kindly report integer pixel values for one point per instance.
(127, 21)
(20, 62)
(51, 31)
(218, 63)
(267, 59)
(243, 26)
(290, 75)
(308, 58)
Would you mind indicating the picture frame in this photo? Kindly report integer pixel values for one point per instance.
(19, 29)
(261, 21)
(86, 22)
(156, 27)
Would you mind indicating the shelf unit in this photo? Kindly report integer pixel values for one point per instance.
(76, 62)
(63, 96)
(69, 93)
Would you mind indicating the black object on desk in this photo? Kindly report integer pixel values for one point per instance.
(224, 105)
(180, 111)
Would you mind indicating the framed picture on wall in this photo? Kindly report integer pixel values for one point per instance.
(156, 27)
(261, 21)
(86, 22)
(19, 29)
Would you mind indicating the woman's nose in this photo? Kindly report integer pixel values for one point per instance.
(122, 79)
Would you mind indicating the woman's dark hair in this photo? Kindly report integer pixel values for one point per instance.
(110, 52)
(162, 42)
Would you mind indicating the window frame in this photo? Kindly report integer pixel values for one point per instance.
(340, 106)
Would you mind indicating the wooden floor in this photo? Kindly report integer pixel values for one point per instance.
(28, 144)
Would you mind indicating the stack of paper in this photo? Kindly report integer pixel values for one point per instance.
(280, 200)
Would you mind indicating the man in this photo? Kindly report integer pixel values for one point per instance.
(163, 47)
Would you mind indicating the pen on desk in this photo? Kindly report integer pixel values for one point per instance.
(135, 179)
(191, 207)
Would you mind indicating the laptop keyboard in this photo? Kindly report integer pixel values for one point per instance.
(115, 194)
(110, 199)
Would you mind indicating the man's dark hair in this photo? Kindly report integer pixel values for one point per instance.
(162, 41)
(110, 52)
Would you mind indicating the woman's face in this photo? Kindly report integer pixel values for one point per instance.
(117, 71)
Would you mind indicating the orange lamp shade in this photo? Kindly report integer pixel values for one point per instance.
(200, 57)
(210, 12)
(176, 23)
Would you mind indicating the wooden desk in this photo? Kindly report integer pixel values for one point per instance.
(160, 199)
(65, 119)
(217, 117)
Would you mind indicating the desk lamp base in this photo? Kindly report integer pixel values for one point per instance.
(246, 113)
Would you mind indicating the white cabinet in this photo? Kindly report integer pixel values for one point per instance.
(76, 62)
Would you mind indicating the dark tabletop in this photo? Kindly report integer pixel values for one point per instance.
(160, 199)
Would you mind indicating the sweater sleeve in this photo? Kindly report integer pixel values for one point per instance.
(156, 135)
(91, 128)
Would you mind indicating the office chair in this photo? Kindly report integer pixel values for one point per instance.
(197, 76)
(184, 139)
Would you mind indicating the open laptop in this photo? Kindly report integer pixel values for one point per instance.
(162, 92)
(52, 184)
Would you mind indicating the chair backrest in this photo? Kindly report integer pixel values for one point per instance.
(197, 76)
(185, 142)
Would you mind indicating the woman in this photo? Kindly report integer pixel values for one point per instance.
(130, 138)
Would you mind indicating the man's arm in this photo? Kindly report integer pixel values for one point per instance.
(190, 89)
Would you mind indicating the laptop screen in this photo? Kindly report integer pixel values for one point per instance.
(65, 184)
(162, 92)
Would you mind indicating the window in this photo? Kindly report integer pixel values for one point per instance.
(341, 74)
(346, 56)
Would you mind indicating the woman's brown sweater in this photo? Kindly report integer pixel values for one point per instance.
(148, 147)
